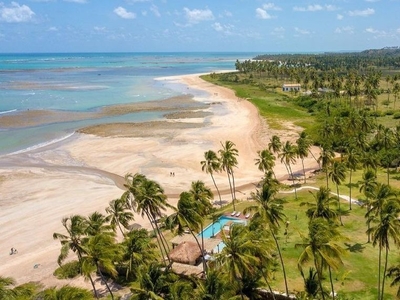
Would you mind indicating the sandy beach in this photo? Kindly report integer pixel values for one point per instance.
(83, 173)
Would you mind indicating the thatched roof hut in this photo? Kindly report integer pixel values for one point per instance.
(186, 253)
(209, 244)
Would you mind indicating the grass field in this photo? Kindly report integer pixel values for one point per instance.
(357, 278)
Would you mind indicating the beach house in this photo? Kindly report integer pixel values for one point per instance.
(291, 87)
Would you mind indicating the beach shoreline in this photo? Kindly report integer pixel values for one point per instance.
(81, 174)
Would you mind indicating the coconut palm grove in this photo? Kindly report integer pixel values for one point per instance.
(335, 235)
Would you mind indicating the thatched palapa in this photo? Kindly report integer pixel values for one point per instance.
(186, 253)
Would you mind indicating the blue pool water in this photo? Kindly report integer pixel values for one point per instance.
(214, 228)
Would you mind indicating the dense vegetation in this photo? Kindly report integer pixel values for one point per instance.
(314, 244)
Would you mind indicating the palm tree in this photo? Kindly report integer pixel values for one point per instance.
(394, 272)
(202, 195)
(210, 165)
(119, 215)
(265, 161)
(321, 208)
(187, 215)
(270, 210)
(320, 247)
(65, 292)
(338, 174)
(352, 161)
(384, 212)
(367, 187)
(325, 160)
(146, 197)
(74, 240)
(228, 156)
(275, 144)
(240, 256)
(154, 283)
(213, 287)
(97, 223)
(288, 156)
(100, 252)
(303, 148)
(139, 250)
(6, 288)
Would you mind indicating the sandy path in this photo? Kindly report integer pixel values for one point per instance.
(81, 175)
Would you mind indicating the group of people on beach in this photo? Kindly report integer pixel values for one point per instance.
(172, 174)
(13, 251)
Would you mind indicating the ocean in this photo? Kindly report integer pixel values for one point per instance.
(85, 82)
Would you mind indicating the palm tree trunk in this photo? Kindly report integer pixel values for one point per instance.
(330, 278)
(319, 272)
(104, 281)
(281, 259)
(295, 189)
(230, 187)
(350, 187)
(120, 228)
(233, 185)
(201, 250)
(304, 171)
(219, 194)
(152, 222)
(384, 272)
(312, 154)
(338, 198)
(379, 274)
(269, 286)
(90, 277)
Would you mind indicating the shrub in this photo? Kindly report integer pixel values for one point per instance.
(69, 270)
(396, 115)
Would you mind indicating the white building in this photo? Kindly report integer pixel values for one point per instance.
(289, 87)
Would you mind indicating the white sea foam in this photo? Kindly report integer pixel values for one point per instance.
(7, 111)
(41, 145)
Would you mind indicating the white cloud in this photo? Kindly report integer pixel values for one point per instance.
(301, 31)
(197, 15)
(278, 32)
(270, 6)
(262, 14)
(15, 13)
(339, 17)
(52, 28)
(226, 29)
(371, 0)
(155, 10)
(123, 13)
(227, 13)
(135, 1)
(315, 7)
(100, 29)
(362, 13)
(76, 1)
(375, 31)
(346, 29)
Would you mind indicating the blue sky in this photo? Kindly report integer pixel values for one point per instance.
(197, 25)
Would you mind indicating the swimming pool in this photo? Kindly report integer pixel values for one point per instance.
(213, 229)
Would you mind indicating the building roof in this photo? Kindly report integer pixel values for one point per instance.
(187, 269)
(209, 244)
(291, 84)
(185, 253)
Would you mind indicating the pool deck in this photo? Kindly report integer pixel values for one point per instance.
(241, 217)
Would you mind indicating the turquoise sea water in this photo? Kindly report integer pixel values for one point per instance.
(88, 81)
